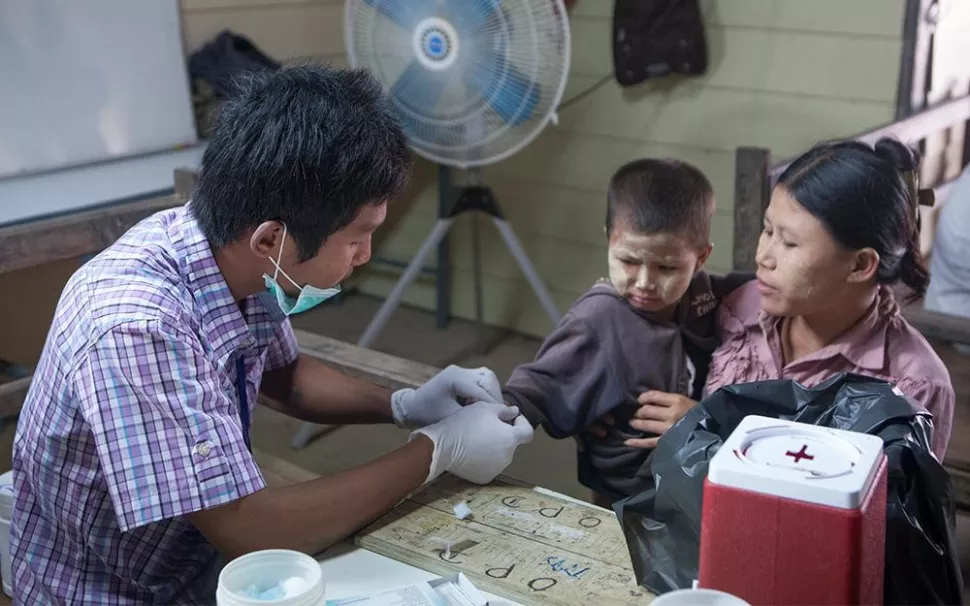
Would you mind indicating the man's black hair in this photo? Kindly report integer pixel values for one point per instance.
(661, 196)
(306, 145)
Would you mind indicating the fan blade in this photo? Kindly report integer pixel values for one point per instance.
(418, 89)
(518, 96)
(406, 13)
(469, 15)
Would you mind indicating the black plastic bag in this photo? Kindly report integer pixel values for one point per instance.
(662, 524)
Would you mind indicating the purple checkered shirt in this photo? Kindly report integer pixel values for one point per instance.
(132, 422)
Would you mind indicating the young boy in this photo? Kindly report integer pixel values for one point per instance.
(651, 326)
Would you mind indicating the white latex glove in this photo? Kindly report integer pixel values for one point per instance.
(477, 442)
(442, 395)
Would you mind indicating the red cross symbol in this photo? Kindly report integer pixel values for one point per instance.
(801, 454)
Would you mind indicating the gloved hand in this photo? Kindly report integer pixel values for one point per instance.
(439, 397)
(477, 442)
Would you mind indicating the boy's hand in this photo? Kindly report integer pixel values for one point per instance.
(657, 413)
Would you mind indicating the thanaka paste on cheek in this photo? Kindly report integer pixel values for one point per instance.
(800, 282)
(636, 278)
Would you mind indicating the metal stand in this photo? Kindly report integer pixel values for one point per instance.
(475, 198)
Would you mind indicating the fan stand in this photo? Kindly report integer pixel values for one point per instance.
(472, 198)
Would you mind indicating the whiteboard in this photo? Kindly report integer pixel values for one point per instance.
(43, 195)
(85, 81)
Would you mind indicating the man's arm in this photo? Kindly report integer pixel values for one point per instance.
(300, 386)
(312, 391)
(475, 443)
(311, 516)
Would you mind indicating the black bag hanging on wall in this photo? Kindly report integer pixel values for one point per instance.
(654, 38)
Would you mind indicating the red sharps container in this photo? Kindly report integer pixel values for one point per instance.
(795, 514)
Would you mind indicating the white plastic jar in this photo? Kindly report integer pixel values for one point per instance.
(294, 577)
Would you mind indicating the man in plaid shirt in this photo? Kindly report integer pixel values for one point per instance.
(133, 474)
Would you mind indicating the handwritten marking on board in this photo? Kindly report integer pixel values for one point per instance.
(493, 571)
(562, 565)
(541, 584)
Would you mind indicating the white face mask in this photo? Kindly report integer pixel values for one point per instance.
(310, 296)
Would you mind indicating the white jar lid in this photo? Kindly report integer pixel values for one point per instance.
(798, 461)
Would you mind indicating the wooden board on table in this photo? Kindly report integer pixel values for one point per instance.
(520, 543)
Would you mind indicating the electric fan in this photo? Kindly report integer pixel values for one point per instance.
(471, 82)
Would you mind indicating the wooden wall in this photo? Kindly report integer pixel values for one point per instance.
(783, 74)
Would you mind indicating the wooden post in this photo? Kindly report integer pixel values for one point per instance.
(752, 190)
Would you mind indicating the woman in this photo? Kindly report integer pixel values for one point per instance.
(840, 231)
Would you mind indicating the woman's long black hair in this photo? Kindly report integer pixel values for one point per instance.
(865, 197)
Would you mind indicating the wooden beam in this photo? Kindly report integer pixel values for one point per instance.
(279, 472)
(752, 191)
(186, 180)
(383, 369)
(12, 396)
(913, 129)
(48, 240)
(937, 325)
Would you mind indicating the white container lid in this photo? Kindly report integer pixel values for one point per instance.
(798, 461)
(698, 597)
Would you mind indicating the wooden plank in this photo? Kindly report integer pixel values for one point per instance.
(938, 325)
(912, 129)
(186, 180)
(751, 195)
(279, 472)
(825, 17)
(283, 31)
(57, 239)
(383, 369)
(12, 396)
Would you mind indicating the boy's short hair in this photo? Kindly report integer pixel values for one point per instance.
(660, 195)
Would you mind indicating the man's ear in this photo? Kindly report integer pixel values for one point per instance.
(266, 239)
(865, 266)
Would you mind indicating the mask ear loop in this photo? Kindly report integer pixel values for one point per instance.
(279, 268)
(279, 257)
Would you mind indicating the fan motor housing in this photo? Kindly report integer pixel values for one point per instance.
(435, 43)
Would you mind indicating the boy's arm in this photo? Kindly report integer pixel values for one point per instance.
(569, 385)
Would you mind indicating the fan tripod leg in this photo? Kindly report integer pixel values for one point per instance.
(531, 275)
(309, 431)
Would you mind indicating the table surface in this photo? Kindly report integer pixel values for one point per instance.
(349, 571)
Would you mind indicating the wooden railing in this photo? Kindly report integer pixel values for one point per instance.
(755, 175)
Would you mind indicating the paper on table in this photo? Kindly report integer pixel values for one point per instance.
(452, 591)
